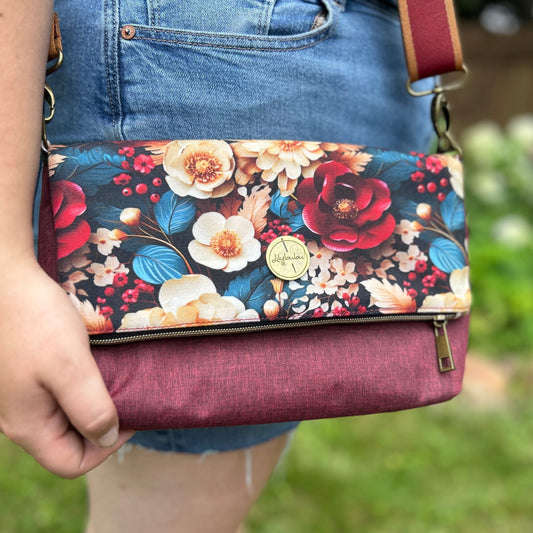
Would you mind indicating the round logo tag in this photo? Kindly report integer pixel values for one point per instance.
(288, 258)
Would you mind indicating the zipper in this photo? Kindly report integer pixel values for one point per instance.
(443, 349)
(444, 352)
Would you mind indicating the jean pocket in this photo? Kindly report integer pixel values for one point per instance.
(252, 24)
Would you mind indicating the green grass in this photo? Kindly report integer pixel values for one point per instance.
(434, 470)
(33, 500)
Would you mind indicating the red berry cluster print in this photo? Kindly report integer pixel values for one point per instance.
(156, 235)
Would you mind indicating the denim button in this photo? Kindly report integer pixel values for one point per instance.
(127, 32)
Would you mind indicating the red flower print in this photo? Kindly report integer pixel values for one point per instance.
(341, 311)
(348, 211)
(130, 296)
(128, 151)
(120, 279)
(68, 203)
(142, 286)
(429, 281)
(122, 179)
(417, 176)
(421, 266)
(106, 311)
(433, 164)
(143, 163)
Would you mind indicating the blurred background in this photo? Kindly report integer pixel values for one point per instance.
(465, 466)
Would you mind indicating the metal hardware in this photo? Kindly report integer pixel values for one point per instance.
(444, 352)
(57, 64)
(451, 86)
(440, 113)
(50, 101)
(440, 116)
(127, 32)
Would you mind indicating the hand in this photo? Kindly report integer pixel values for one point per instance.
(53, 401)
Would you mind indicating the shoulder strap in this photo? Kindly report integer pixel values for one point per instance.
(430, 38)
(55, 46)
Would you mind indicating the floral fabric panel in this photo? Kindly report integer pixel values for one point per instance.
(173, 234)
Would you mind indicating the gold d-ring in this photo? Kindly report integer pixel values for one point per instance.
(452, 86)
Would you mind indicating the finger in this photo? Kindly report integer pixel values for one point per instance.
(69, 455)
(48, 436)
(81, 393)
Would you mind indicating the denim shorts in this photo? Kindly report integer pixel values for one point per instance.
(325, 70)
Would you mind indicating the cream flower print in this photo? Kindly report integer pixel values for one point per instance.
(104, 274)
(355, 160)
(344, 271)
(388, 297)
(310, 305)
(408, 259)
(77, 259)
(224, 244)
(350, 290)
(323, 283)
(455, 168)
(320, 256)
(406, 230)
(459, 298)
(202, 169)
(189, 301)
(285, 161)
(104, 241)
(93, 320)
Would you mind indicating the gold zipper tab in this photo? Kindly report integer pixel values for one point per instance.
(444, 352)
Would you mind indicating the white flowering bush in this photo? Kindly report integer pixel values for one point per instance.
(499, 196)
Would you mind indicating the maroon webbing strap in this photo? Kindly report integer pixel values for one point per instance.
(430, 37)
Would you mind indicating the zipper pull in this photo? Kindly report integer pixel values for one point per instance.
(444, 352)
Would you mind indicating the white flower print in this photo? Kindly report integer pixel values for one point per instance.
(344, 271)
(104, 274)
(408, 259)
(104, 241)
(224, 244)
(406, 230)
(320, 256)
(323, 283)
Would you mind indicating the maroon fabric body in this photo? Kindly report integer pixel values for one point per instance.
(271, 376)
(281, 375)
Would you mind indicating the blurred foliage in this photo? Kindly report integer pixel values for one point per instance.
(473, 8)
(499, 196)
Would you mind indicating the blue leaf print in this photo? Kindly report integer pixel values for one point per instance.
(157, 264)
(104, 216)
(297, 293)
(391, 167)
(252, 289)
(406, 207)
(446, 255)
(453, 212)
(280, 207)
(174, 214)
(89, 168)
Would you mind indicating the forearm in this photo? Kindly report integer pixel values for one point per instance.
(25, 29)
